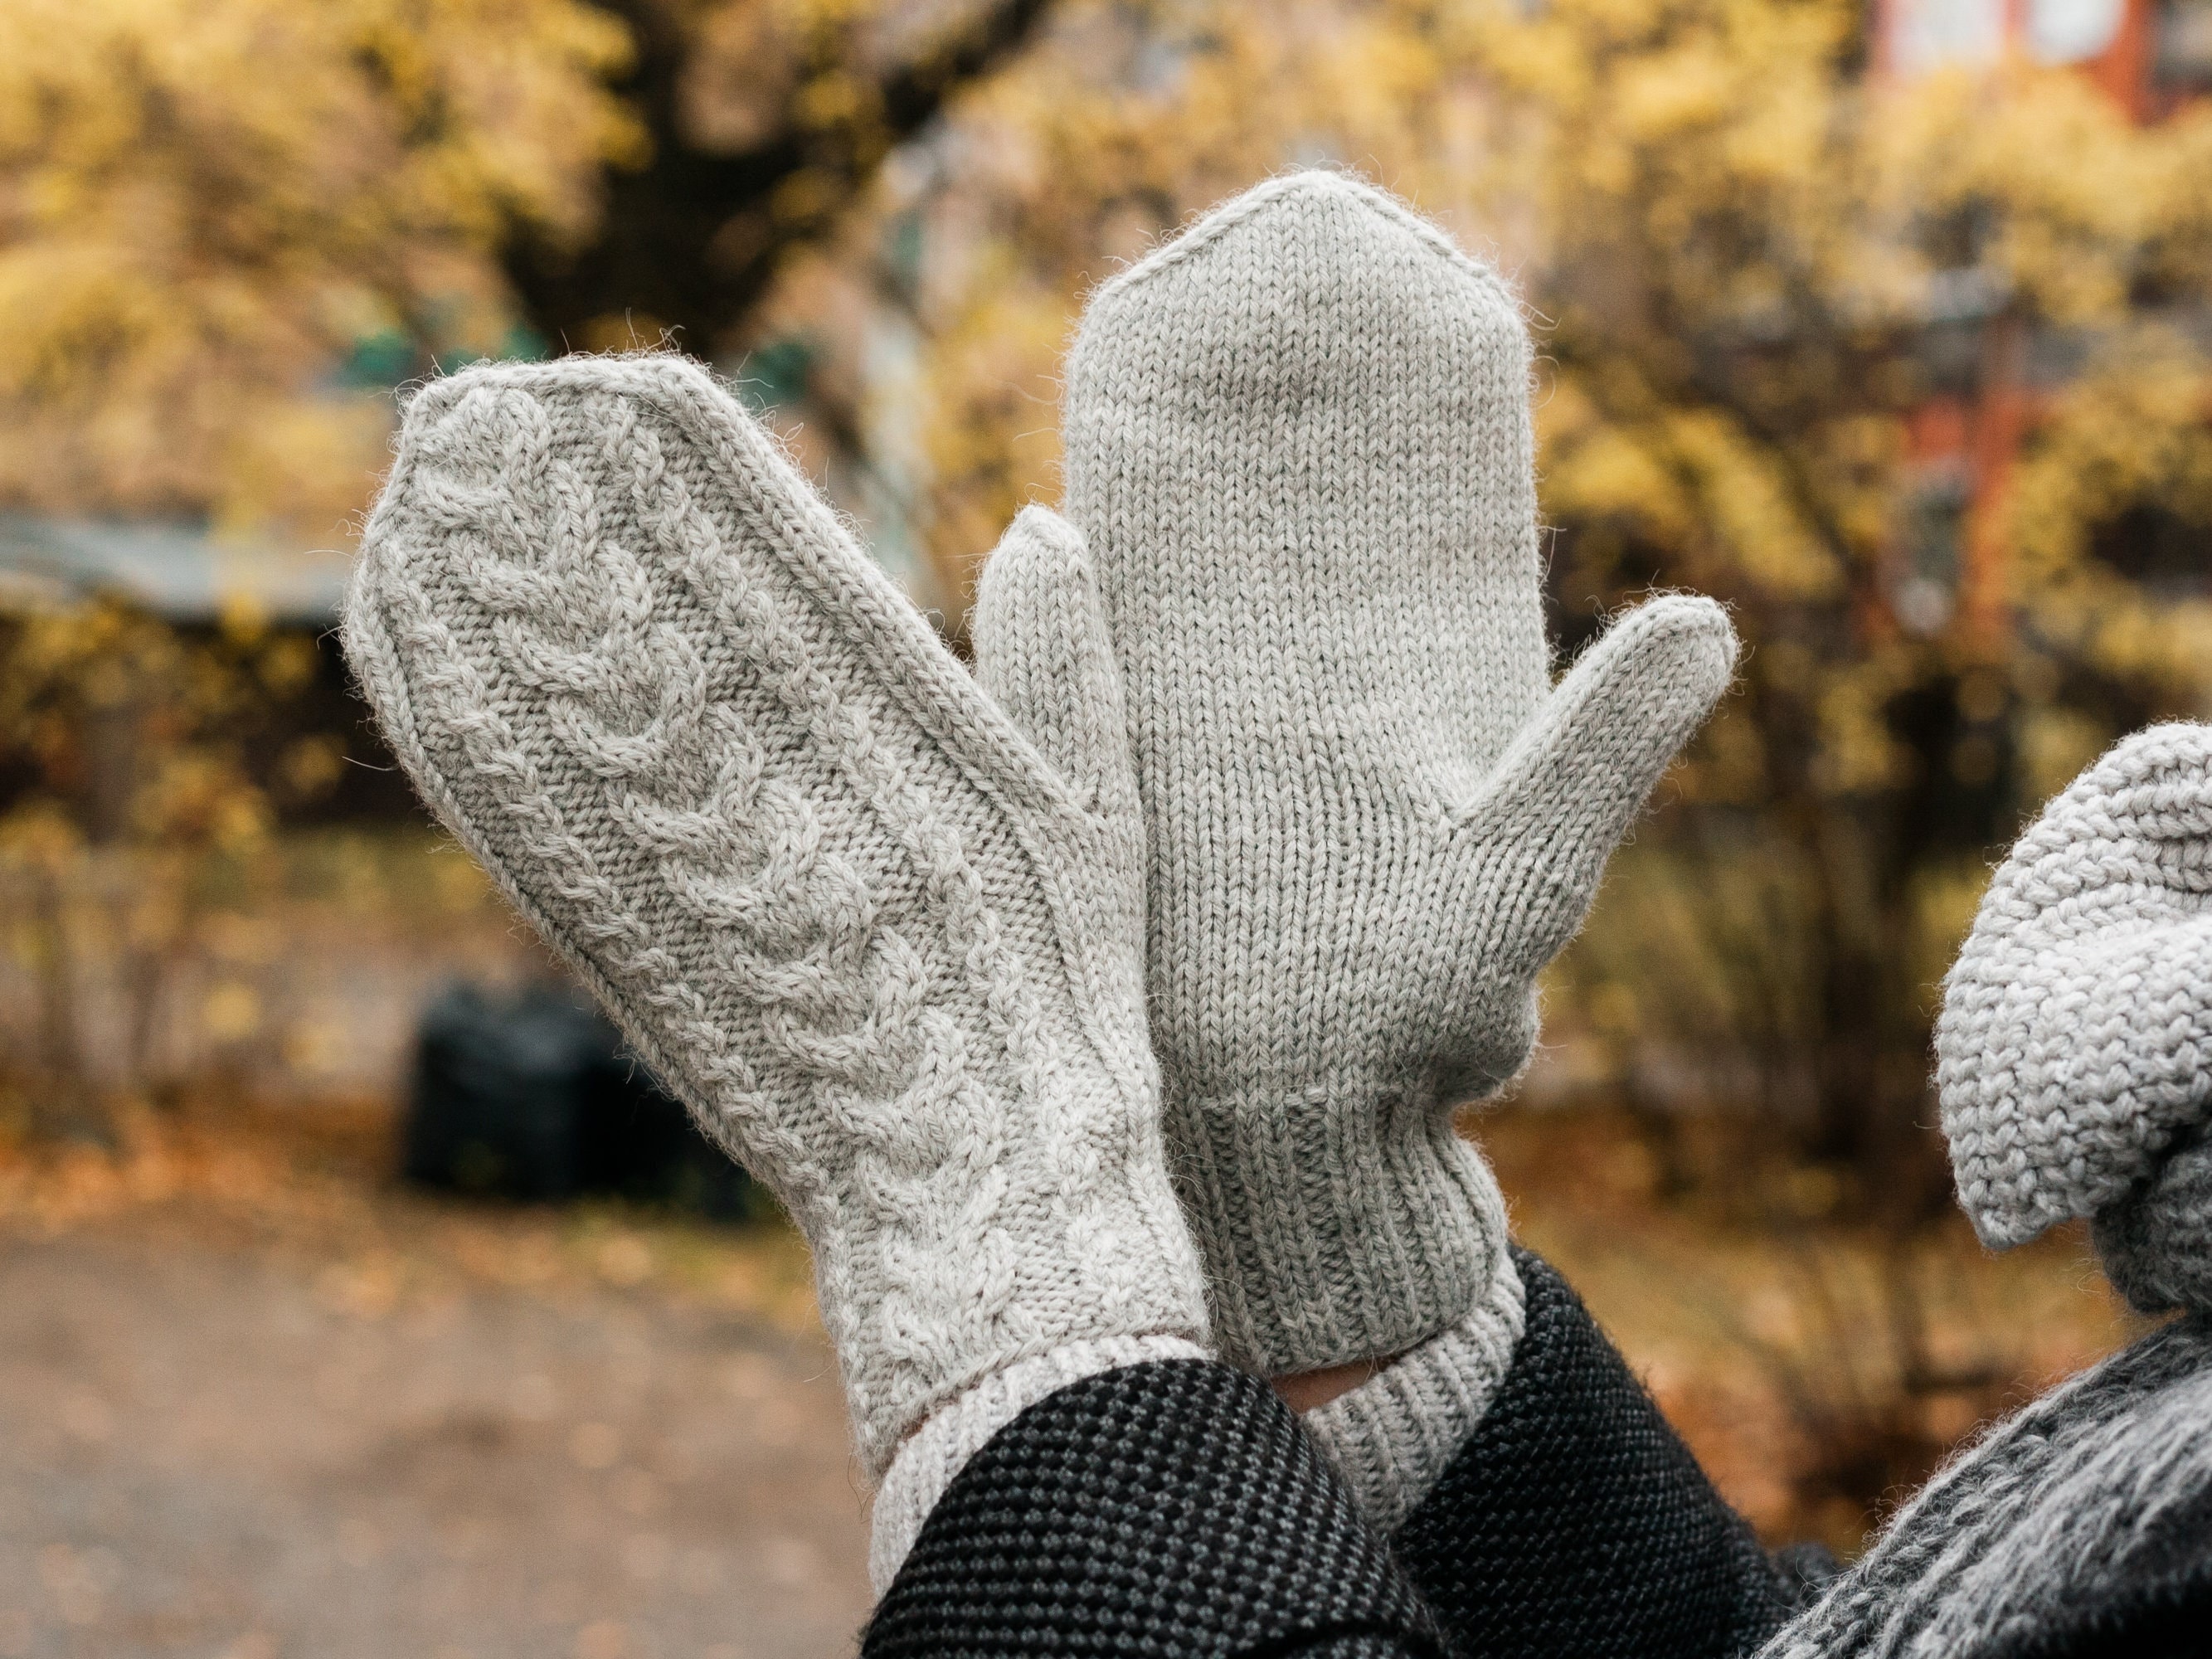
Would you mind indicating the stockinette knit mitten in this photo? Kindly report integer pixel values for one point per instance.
(1298, 447)
(2073, 1053)
(884, 940)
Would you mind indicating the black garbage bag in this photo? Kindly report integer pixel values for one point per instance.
(533, 1096)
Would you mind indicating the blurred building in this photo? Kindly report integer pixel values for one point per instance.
(1985, 366)
(2150, 55)
(178, 571)
(202, 582)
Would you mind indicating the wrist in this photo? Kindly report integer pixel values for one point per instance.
(1304, 1391)
(1392, 1437)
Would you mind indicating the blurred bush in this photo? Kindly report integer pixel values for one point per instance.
(1768, 283)
(125, 749)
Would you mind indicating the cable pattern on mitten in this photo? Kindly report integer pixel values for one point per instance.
(848, 1015)
(766, 867)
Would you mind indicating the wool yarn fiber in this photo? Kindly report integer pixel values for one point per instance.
(2102, 1483)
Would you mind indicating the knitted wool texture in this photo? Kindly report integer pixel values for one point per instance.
(2104, 1483)
(886, 946)
(2075, 1048)
(1393, 1435)
(1575, 1521)
(1298, 447)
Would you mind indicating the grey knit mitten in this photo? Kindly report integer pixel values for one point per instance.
(2074, 1053)
(887, 943)
(1298, 448)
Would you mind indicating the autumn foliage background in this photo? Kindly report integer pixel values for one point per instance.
(1912, 371)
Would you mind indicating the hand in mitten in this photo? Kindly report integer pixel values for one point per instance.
(886, 942)
(1298, 448)
(2074, 1053)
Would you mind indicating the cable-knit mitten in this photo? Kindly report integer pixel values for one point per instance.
(886, 941)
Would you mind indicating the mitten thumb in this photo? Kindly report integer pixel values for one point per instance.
(1044, 655)
(1565, 791)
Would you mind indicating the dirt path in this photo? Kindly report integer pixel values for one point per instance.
(257, 1402)
(209, 1450)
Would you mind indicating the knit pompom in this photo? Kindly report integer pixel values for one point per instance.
(2156, 1243)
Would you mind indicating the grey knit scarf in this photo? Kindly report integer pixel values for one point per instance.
(2106, 1480)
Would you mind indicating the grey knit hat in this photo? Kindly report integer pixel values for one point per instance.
(1298, 447)
(2073, 1059)
(2075, 1048)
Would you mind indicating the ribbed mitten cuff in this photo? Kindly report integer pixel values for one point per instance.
(1393, 1435)
(1347, 1222)
(936, 1452)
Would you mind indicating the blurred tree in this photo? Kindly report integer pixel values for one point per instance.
(765, 119)
(220, 219)
(228, 227)
(133, 775)
(1758, 280)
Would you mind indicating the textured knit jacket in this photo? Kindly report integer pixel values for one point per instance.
(1177, 1509)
